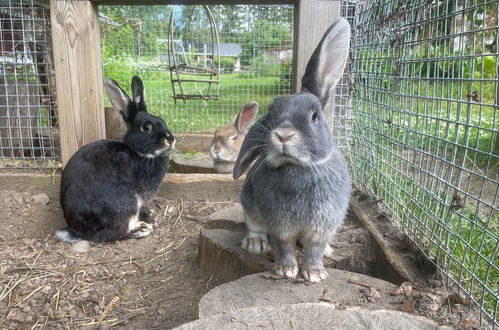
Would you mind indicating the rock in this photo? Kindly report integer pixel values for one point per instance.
(81, 247)
(41, 199)
(312, 316)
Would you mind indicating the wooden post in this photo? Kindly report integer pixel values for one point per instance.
(78, 73)
(312, 18)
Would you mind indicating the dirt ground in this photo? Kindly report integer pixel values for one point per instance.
(149, 283)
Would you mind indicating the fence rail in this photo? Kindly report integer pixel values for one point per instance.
(424, 139)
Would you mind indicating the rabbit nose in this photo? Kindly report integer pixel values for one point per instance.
(170, 139)
(284, 137)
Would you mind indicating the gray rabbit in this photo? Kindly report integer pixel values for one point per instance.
(298, 187)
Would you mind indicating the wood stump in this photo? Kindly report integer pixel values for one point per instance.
(341, 288)
(195, 163)
(220, 253)
(311, 316)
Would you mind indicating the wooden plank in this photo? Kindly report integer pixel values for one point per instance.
(193, 2)
(78, 73)
(214, 187)
(312, 18)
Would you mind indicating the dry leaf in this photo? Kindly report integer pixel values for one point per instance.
(374, 294)
(408, 306)
(470, 323)
(404, 288)
(436, 302)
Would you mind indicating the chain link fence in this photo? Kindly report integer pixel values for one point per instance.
(28, 122)
(424, 139)
(256, 46)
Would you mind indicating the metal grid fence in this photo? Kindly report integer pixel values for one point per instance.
(255, 49)
(424, 137)
(28, 122)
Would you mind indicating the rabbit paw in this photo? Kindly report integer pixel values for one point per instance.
(328, 251)
(256, 243)
(143, 230)
(314, 273)
(287, 271)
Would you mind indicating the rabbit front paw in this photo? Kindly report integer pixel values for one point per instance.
(328, 251)
(287, 271)
(144, 229)
(314, 273)
(256, 243)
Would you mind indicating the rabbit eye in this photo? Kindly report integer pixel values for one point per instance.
(146, 127)
(233, 138)
(314, 116)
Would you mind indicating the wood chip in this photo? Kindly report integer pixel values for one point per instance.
(268, 276)
(364, 284)
(325, 295)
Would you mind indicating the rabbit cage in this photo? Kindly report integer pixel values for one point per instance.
(416, 112)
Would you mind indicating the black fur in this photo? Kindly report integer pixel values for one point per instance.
(103, 182)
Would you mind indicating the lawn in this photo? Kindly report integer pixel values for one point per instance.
(236, 89)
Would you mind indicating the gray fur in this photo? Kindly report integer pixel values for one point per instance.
(298, 187)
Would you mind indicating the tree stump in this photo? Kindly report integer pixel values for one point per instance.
(311, 316)
(341, 288)
(220, 253)
(195, 163)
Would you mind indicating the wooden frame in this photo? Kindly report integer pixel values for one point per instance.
(78, 64)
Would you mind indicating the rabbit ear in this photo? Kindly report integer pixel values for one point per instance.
(253, 146)
(138, 93)
(325, 67)
(119, 99)
(246, 116)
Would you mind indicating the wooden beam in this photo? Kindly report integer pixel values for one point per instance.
(312, 18)
(78, 73)
(193, 2)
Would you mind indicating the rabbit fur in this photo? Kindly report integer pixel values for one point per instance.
(106, 185)
(227, 140)
(297, 188)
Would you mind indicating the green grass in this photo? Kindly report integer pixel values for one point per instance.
(463, 240)
(236, 89)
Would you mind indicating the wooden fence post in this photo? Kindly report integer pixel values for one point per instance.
(312, 18)
(78, 73)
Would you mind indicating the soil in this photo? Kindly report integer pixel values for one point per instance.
(152, 282)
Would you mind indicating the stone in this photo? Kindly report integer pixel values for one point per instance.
(81, 247)
(41, 199)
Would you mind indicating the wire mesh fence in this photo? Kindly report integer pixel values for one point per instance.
(28, 121)
(424, 136)
(255, 48)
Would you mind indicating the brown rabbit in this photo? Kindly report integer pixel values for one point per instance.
(228, 139)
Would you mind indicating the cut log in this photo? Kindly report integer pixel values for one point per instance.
(312, 316)
(220, 253)
(194, 142)
(195, 163)
(341, 288)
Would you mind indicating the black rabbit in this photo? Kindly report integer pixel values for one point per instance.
(106, 185)
(298, 187)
